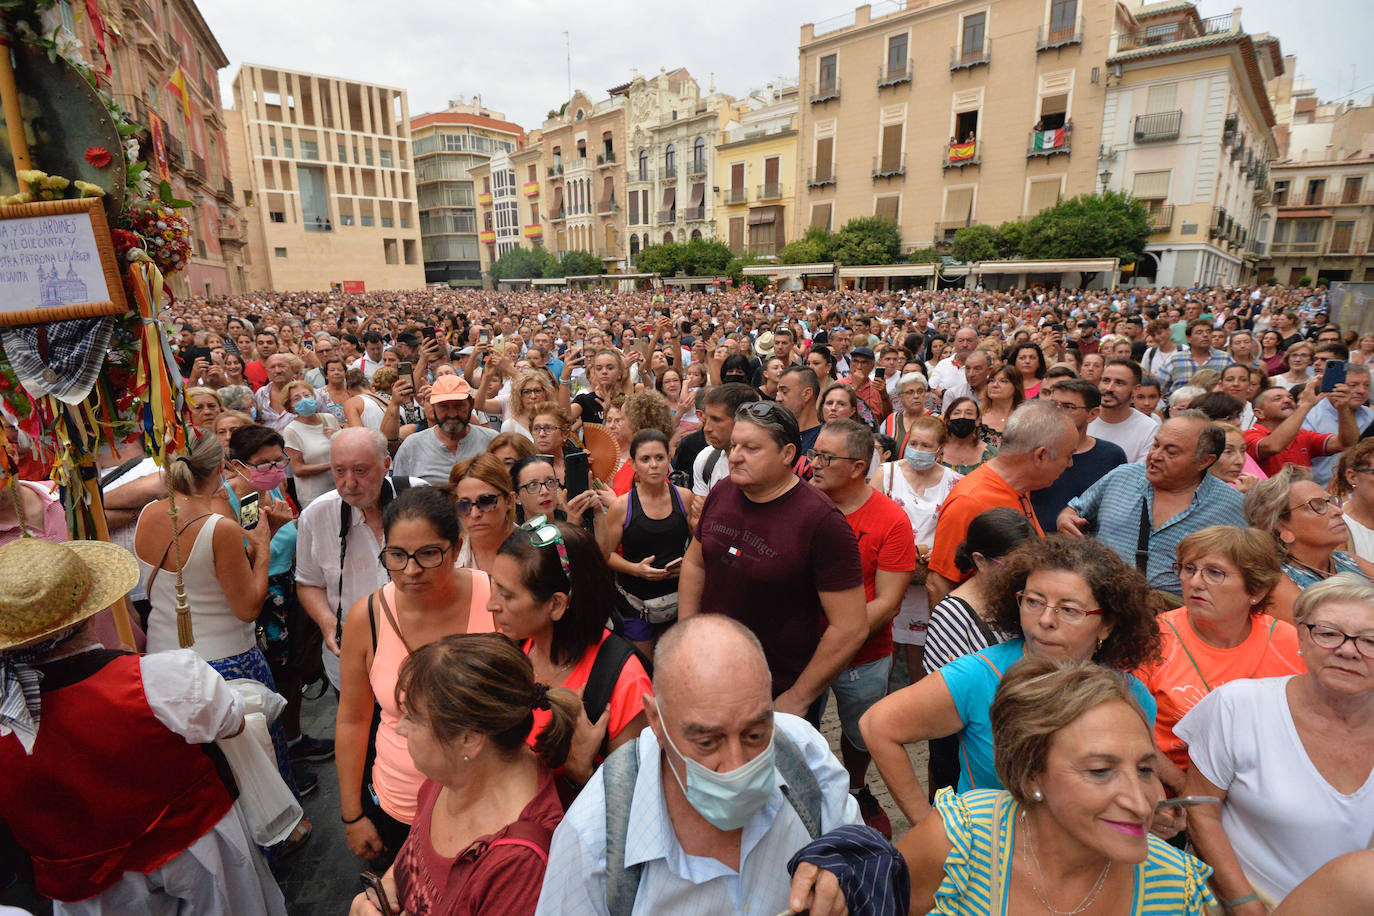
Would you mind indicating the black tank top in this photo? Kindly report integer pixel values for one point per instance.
(664, 539)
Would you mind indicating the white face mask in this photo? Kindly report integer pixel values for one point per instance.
(726, 800)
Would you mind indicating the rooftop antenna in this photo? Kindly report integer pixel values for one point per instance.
(567, 42)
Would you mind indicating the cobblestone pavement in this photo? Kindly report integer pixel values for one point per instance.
(322, 878)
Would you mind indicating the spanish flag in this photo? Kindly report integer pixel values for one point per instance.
(959, 152)
(178, 86)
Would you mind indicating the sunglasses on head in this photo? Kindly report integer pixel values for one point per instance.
(543, 533)
(486, 502)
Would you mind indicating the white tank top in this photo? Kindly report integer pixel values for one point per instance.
(218, 633)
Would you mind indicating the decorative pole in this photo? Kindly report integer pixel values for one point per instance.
(9, 96)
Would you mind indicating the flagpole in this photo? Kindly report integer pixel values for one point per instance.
(9, 97)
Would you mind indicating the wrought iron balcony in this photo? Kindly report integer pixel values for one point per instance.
(889, 167)
(1161, 218)
(894, 76)
(1048, 142)
(959, 155)
(966, 58)
(736, 195)
(1048, 39)
(770, 191)
(825, 91)
(694, 213)
(1162, 125)
(819, 178)
(1168, 33)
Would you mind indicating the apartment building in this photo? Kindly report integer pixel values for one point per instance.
(324, 164)
(946, 114)
(1187, 127)
(672, 132)
(1320, 219)
(756, 167)
(448, 146)
(582, 159)
(154, 47)
(508, 211)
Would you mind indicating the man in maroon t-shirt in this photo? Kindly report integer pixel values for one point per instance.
(773, 553)
(887, 553)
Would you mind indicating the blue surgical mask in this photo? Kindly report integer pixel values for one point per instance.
(919, 459)
(727, 800)
(306, 407)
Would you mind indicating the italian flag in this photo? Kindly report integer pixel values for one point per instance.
(1049, 139)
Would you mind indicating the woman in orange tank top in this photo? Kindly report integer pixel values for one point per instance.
(429, 597)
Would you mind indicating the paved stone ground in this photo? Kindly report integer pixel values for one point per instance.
(322, 878)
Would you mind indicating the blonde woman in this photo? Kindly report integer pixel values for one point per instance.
(531, 389)
(307, 440)
(608, 377)
(205, 408)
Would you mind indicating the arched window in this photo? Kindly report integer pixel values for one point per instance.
(643, 165)
(634, 245)
(696, 233)
(699, 156)
(667, 238)
(670, 161)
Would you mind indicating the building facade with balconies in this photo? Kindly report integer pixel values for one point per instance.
(582, 162)
(756, 170)
(324, 164)
(448, 146)
(1187, 127)
(672, 130)
(146, 43)
(1319, 223)
(1001, 127)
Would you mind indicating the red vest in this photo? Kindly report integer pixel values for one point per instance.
(109, 788)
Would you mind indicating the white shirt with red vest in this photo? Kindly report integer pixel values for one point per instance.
(118, 807)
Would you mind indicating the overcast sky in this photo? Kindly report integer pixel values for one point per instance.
(512, 52)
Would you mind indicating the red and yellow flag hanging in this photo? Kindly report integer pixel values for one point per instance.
(960, 152)
(177, 84)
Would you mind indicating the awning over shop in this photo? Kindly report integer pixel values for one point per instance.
(760, 215)
(789, 270)
(1085, 265)
(888, 270)
(1305, 214)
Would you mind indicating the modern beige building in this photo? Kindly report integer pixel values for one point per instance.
(448, 145)
(1320, 219)
(756, 172)
(928, 114)
(324, 166)
(1187, 127)
(148, 43)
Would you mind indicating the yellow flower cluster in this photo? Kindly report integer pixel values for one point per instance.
(36, 185)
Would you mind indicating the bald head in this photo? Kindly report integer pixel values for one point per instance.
(697, 654)
(357, 442)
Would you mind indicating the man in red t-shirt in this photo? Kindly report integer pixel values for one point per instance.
(860, 379)
(887, 554)
(1277, 439)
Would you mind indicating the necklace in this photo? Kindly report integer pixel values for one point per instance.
(1319, 573)
(1028, 854)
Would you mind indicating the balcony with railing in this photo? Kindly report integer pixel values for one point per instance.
(770, 191)
(666, 217)
(607, 207)
(944, 231)
(1170, 32)
(318, 224)
(736, 195)
(605, 159)
(697, 169)
(669, 171)
(1229, 130)
(965, 58)
(1161, 125)
(556, 170)
(198, 165)
(889, 166)
(225, 192)
(894, 76)
(820, 178)
(1048, 142)
(694, 214)
(1160, 218)
(825, 91)
(959, 155)
(1048, 37)
(176, 153)
(646, 175)
(174, 49)
(558, 216)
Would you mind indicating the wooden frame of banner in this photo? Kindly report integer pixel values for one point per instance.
(91, 208)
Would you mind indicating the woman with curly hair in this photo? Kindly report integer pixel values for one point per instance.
(642, 410)
(1069, 599)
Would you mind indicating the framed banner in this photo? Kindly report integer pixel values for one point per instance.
(57, 262)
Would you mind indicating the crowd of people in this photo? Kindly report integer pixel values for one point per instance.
(585, 568)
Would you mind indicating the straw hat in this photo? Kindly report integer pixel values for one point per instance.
(49, 587)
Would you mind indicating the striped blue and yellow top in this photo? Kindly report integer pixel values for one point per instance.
(1168, 883)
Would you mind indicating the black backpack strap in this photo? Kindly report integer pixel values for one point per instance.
(611, 657)
(710, 466)
(1142, 544)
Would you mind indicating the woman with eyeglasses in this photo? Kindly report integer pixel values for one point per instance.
(550, 430)
(1309, 525)
(644, 537)
(532, 388)
(912, 389)
(485, 502)
(1069, 599)
(1299, 360)
(1221, 633)
(1003, 395)
(1291, 758)
(551, 590)
(429, 597)
(1354, 483)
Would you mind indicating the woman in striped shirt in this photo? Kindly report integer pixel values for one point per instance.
(1071, 833)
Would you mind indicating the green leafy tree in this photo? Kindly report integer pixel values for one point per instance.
(665, 259)
(867, 240)
(974, 243)
(1010, 236)
(705, 257)
(1109, 225)
(735, 270)
(580, 264)
(522, 264)
(812, 248)
(923, 256)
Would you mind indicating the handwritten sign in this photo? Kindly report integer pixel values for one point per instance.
(57, 262)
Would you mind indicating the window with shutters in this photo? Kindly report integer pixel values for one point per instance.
(1161, 98)
(1053, 111)
(890, 159)
(1150, 186)
(829, 73)
(1062, 15)
(1042, 196)
(958, 212)
(898, 58)
(972, 37)
(736, 193)
(1341, 235)
(771, 189)
(1316, 189)
(820, 216)
(1351, 192)
(634, 208)
(886, 207)
(824, 169)
(737, 234)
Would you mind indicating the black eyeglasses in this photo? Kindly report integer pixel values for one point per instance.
(822, 459)
(485, 503)
(537, 486)
(1330, 638)
(394, 559)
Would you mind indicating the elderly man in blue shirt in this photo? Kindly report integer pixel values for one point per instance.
(1142, 511)
(1323, 418)
(700, 824)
